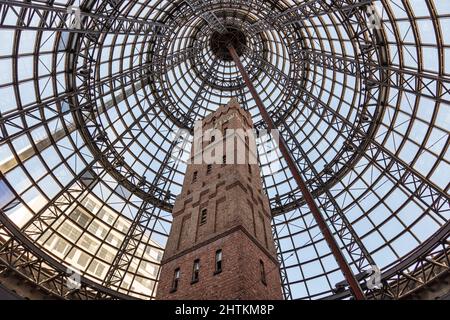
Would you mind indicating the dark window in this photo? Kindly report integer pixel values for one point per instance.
(213, 138)
(195, 271)
(218, 261)
(176, 279)
(249, 168)
(194, 178)
(203, 216)
(262, 272)
(224, 160)
(208, 169)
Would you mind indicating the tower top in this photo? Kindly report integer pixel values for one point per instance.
(233, 100)
(225, 112)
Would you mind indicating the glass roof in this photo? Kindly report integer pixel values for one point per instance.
(90, 159)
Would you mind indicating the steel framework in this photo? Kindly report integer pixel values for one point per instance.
(98, 97)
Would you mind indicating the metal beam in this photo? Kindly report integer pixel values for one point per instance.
(140, 224)
(415, 271)
(304, 11)
(198, 8)
(146, 212)
(319, 181)
(329, 238)
(41, 268)
(112, 159)
(41, 145)
(191, 114)
(61, 105)
(302, 96)
(33, 16)
(423, 189)
(355, 248)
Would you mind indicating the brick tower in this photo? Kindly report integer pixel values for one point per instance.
(221, 245)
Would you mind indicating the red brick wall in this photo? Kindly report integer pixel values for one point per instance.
(231, 201)
(239, 279)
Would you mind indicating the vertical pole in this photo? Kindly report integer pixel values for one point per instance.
(329, 238)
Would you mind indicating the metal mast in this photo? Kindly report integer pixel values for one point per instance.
(346, 270)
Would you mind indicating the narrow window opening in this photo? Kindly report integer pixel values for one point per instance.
(208, 169)
(195, 271)
(218, 262)
(224, 160)
(262, 272)
(194, 178)
(176, 280)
